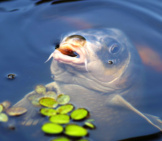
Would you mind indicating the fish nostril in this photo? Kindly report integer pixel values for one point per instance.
(110, 62)
(57, 46)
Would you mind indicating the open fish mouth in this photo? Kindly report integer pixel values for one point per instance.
(72, 50)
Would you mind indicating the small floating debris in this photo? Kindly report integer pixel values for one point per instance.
(52, 128)
(48, 102)
(75, 130)
(65, 109)
(79, 114)
(89, 125)
(63, 99)
(3, 117)
(61, 139)
(16, 111)
(6, 104)
(11, 76)
(48, 111)
(40, 89)
(60, 119)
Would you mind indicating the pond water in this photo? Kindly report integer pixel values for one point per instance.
(30, 29)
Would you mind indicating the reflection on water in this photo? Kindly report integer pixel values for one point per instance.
(29, 32)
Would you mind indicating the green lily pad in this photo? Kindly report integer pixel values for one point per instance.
(52, 128)
(16, 111)
(1, 108)
(40, 89)
(48, 111)
(89, 125)
(75, 130)
(61, 139)
(51, 94)
(79, 114)
(60, 119)
(65, 109)
(63, 99)
(3, 117)
(48, 102)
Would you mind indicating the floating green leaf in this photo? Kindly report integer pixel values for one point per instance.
(65, 109)
(75, 130)
(48, 102)
(48, 111)
(60, 119)
(52, 128)
(63, 99)
(89, 125)
(61, 139)
(51, 94)
(40, 89)
(79, 114)
(3, 117)
(16, 111)
(1, 108)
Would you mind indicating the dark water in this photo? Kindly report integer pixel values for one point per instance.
(29, 31)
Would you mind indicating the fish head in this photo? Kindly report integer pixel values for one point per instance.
(99, 59)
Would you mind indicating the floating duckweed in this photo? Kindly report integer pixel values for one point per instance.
(65, 109)
(60, 119)
(75, 130)
(3, 117)
(6, 104)
(89, 125)
(48, 111)
(61, 139)
(63, 99)
(16, 111)
(1, 108)
(52, 128)
(40, 89)
(51, 94)
(79, 114)
(48, 102)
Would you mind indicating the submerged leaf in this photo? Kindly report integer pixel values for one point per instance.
(51, 94)
(48, 102)
(6, 104)
(60, 119)
(75, 130)
(63, 99)
(65, 109)
(40, 89)
(79, 114)
(16, 111)
(3, 117)
(61, 139)
(52, 128)
(48, 111)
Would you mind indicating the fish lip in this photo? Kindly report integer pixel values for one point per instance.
(59, 56)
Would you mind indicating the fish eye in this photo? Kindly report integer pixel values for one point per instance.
(77, 39)
(115, 48)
